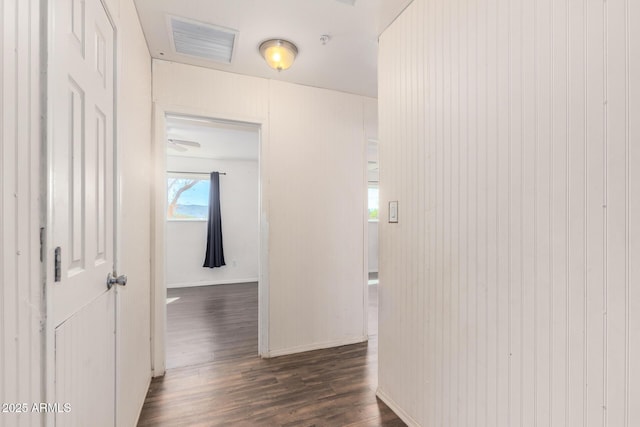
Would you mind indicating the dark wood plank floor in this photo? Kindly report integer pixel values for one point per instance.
(210, 323)
(332, 387)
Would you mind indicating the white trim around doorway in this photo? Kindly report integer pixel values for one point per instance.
(158, 231)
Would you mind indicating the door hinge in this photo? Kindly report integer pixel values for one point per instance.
(57, 259)
(41, 244)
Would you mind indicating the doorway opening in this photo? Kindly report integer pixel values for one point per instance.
(212, 310)
(373, 211)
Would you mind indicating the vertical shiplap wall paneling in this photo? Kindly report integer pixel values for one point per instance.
(491, 154)
(542, 224)
(483, 347)
(470, 123)
(503, 207)
(527, 192)
(514, 278)
(461, 203)
(6, 215)
(509, 136)
(633, 210)
(385, 313)
(429, 213)
(421, 393)
(20, 288)
(595, 214)
(401, 247)
(616, 167)
(576, 215)
(409, 174)
(558, 50)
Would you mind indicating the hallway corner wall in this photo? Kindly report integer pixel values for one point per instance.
(509, 286)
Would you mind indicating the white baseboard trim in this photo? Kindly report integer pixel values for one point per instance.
(211, 283)
(315, 346)
(395, 408)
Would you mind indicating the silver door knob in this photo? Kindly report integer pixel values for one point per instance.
(112, 280)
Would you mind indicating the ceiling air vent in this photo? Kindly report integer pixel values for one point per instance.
(202, 40)
(349, 2)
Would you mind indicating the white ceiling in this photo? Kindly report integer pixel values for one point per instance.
(218, 140)
(348, 62)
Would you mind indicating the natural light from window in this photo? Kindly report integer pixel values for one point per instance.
(374, 203)
(187, 198)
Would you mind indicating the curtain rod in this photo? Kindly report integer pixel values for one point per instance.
(195, 173)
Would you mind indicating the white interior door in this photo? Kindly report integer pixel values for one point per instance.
(81, 96)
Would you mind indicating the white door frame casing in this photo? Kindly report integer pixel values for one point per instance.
(21, 206)
(365, 245)
(158, 229)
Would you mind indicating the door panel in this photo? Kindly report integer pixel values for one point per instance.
(82, 113)
(83, 200)
(84, 347)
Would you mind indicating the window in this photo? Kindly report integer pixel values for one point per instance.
(373, 202)
(187, 197)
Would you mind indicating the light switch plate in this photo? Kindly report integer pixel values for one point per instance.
(393, 211)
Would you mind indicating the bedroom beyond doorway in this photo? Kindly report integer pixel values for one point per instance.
(212, 213)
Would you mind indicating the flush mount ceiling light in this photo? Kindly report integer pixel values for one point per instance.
(278, 53)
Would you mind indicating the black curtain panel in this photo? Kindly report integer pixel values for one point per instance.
(215, 255)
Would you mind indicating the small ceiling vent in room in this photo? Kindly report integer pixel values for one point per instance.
(349, 2)
(202, 40)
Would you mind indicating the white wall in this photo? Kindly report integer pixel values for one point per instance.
(21, 296)
(313, 180)
(134, 155)
(187, 240)
(316, 251)
(509, 288)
